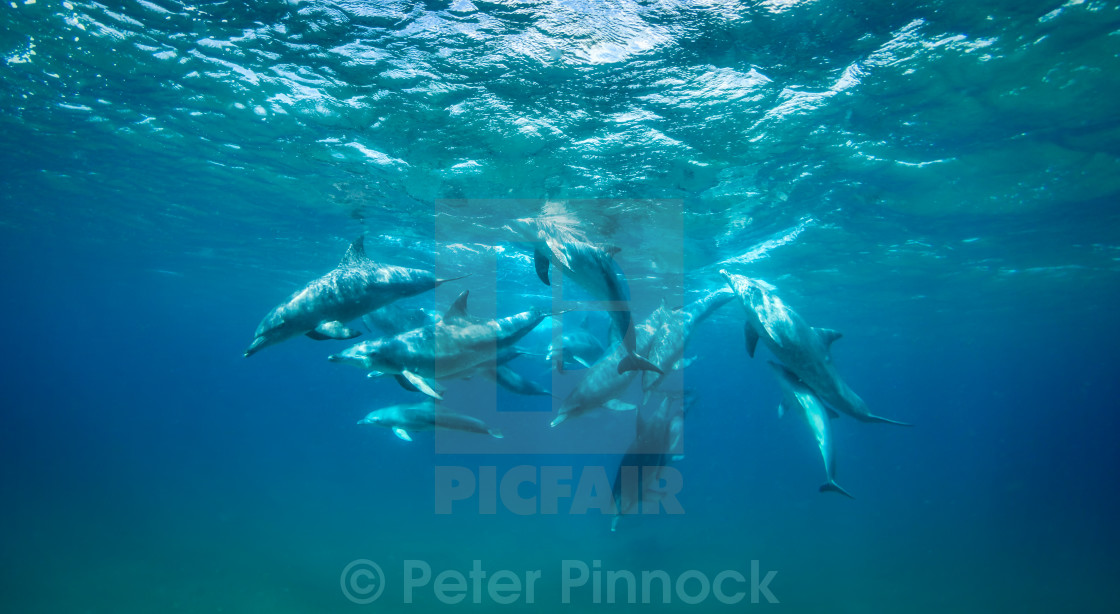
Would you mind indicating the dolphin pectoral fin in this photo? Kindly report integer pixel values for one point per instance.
(633, 362)
(616, 405)
(828, 335)
(407, 385)
(332, 330)
(403, 434)
(752, 340)
(373, 374)
(831, 486)
(614, 523)
(540, 261)
(581, 361)
(781, 410)
(421, 384)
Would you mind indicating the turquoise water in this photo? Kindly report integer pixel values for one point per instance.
(938, 181)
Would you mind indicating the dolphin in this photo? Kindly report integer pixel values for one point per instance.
(592, 267)
(356, 286)
(425, 416)
(804, 350)
(578, 347)
(798, 398)
(514, 382)
(604, 383)
(456, 346)
(657, 438)
(672, 336)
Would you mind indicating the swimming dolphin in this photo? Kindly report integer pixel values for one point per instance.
(657, 438)
(800, 347)
(577, 347)
(797, 397)
(425, 416)
(356, 286)
(672, 336)
(604, 383)
(592, 267)
(453, 347)
(514, 382)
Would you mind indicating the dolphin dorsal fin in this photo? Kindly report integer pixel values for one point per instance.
(457, 312)
(356, 254)
(828, 335)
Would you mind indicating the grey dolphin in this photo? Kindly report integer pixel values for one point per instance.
(592, 267)
(797, 397)
(578, 347)
(657, 439)
(514, 382)
(672, 336)
(801, 348)
(411, 417)
(453, 347)
(603, 383)
(356, 286)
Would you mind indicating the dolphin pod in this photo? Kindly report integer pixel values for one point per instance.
(421, 348)
(354, 288)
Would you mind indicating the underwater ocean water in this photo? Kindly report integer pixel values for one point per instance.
(938, 181)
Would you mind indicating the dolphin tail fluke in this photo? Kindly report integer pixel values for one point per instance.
(633, 362)
(831, 486)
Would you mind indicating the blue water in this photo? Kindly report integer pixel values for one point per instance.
(936, 180)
